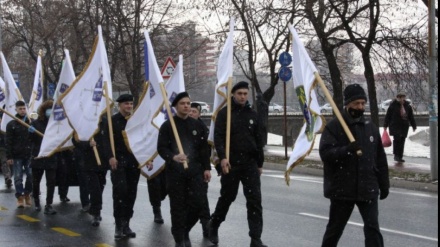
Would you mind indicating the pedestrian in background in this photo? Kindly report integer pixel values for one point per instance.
(399, 118)
(185, 187)
(6, 170)
(349, 179)
(244, 165)
(124, 169)
(18, 153)
(46, 165)
(94, 174)
(205, 213)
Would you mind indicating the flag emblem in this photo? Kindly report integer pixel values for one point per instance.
(97, 93)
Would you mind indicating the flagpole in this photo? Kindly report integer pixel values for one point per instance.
(20, 121)
(228, 123)
(109, 120)
(336, 111)
(173, 124)
(95, 150)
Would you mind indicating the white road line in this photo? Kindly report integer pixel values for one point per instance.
(303, 179)
(382, 229)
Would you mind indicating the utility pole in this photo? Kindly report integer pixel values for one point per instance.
(433, 89)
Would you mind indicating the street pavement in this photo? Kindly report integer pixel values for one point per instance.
(294, 215)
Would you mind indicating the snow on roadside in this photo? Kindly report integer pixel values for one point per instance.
(412, 148)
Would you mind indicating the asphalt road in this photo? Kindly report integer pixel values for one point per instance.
(293, 216)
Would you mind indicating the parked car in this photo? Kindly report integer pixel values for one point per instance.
(205, 107)
(326, 108)
(273, 107)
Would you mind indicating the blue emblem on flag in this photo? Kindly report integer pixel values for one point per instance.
(63, 88)
(58, 113)
(97, 93)
(164, 110)
(152, 92)
(2, 95)
(39, 91)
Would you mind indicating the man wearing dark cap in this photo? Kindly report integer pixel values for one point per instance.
(399, 117)
(349, 179)
(205, 215)
(124, 169)
(244, 164)
(185, 187)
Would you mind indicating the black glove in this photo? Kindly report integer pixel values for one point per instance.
(353, 147)
(384, 193)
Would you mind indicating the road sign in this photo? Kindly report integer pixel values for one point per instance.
(168, 68)
(285, 73)
(285, 59)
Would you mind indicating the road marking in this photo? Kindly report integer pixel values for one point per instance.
(27, 218)
(382, 229)
(303, 179)
(416, 194)
(66, 232)
(102, 245)
(3, 208)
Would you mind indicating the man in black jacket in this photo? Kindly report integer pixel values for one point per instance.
(350, 179)
(399, 118)
(124, 169)
(185, 186)
(244, 165)
(18, 154)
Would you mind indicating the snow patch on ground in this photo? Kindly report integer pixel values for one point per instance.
(417, 143)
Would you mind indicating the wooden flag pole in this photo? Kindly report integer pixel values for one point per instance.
(336, 111)
(109, 120)
(95, 150)
(173, 124)
(20, 121)
(228, 123)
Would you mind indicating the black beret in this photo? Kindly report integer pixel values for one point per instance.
(240, 85)
(197, 106)
(353, 92)
(179, 97)
(124, 98)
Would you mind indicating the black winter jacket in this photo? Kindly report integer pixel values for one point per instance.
(36, 140)
(346, 175)
(246, 142)
(393, 120)
(17, 140)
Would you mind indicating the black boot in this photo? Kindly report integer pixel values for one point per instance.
(180, 244)
(257, 243)
(187, 240)
(205, 228)
(37, 204)
(96, 221)
(157, 215)
(119, 233)
(49, 210)
(126, 229)
(213, 232)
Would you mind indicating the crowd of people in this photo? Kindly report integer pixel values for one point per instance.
(349, 179)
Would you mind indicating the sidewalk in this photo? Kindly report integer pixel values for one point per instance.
(416, 166)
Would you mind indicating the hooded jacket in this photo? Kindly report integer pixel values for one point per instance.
(348, 176)
(17, 140)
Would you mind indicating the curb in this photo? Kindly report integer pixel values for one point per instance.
(394, 182)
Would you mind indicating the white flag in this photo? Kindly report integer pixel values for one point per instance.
(2, 93)
(11, 91)
(304, 81)
(141, 131)
(224, 74)
(37, 90)
(84, 102)
(58, 134)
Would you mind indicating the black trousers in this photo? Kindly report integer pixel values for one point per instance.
(96, 183)
(185, 191)
(340, 212)
(398, 145)
(37, 175)
(205, 213)
(249, 176)
(157, 189)
(125, 183)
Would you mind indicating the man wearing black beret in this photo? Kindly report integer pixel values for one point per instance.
(124, 169)
(185, 187)
(244, 164)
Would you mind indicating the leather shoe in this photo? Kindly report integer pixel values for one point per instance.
(213, 233)
(257, 243)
